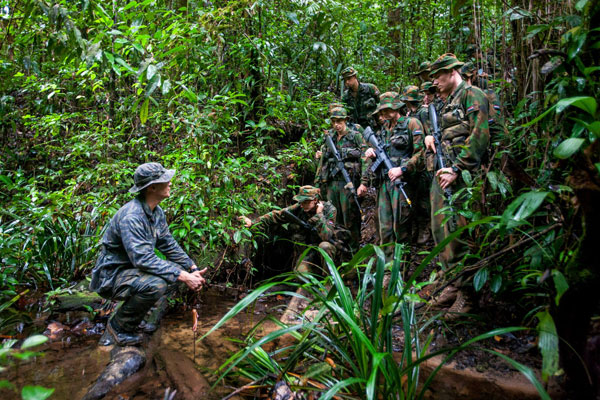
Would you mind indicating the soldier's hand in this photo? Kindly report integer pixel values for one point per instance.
(370, 153)
(362, 189)
(318, 154)
(320, 207)
(247, 221)
(446, 176)
(395, 173)
(194, 280)
(430, 143)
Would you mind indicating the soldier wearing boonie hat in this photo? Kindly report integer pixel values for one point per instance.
(314, 213)
(398, 138)
(350, 146)
(423, 71)
(359, 98)
(128, 269)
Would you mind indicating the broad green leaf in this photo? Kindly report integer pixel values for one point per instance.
(166, 86)
(579, 6)
(466, 175)
(130, 5)
(480, 279)
(586, 103)
(568, 147)
(560, 284)
(35, 393)
(548, 344)
(496, 283)
(522, 207)
(144, 111)
(123, 63)
(151, 71)
(33, 341)
(237, 236)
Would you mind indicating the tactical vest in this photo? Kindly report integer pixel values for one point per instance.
(399, 143)
(350, 154)
(454, 125)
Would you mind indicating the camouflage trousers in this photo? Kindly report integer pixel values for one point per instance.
(139, 292)
(457, 248)
(348, 214)
(313, 260)
(395, 215)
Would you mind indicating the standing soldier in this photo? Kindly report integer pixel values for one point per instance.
(464, 141)
(412, 99)
(423, 71)
(359, 98)
(350, 146)
(397, 138)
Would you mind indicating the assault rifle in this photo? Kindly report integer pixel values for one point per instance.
(437, 136)
(382, 157)
(340, 167)
(302, 223)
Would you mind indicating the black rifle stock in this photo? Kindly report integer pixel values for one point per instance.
(382, 158)
(340, 167)
(437, 136)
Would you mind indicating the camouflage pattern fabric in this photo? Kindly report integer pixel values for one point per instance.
(465, 138)
(496, 120)
(351, 147)
(128, 268)
(360, 106)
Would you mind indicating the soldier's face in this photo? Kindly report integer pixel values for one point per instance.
(161, 190)
(339, 125)
(444, 81)
(390, 115)
(309, 205)
(351, 83)
(429, 97)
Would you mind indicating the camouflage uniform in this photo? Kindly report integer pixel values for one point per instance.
(395, 214)
(422, 185)
(363, 102)
(128, 268)
(465, 137)
(351, 147)
(328, 236)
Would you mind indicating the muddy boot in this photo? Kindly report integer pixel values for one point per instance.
(292, 313)
(122, 338)
(424, 234)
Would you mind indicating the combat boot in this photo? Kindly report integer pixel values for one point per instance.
(123, 338)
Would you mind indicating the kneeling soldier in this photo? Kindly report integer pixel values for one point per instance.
(311, 222)
(128, 268)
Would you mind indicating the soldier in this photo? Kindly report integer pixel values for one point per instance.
(350, 146)
(359, 98)
(412, 98)
(128, 268)
(397, 137)
(318, 226)
(423, 71)
(464, 140)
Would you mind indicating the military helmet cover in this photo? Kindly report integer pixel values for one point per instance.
(338, 113)
(307, 192)
(389, 100)
(423, 67)
(348, 72)
(411, 93)
(428, 87)
(149, 173)
(468, 69)
(446, 61)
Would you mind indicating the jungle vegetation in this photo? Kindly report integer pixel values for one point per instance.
(233, 94)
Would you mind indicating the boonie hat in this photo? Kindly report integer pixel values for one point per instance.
(389, 100)
(338, 113)
(444, 62)
(411, 93)
(423, 67)
(307, 193)
(348, 72)
(149, 173)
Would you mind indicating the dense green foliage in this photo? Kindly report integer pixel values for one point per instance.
(233, 95)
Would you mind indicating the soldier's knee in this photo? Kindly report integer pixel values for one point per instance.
(152, 287)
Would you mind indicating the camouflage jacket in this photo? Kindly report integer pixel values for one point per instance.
(323, 222)
(399, 144)
(351, 148)
(464, 126)
(129, 242)
(363, 104)
(496, 119)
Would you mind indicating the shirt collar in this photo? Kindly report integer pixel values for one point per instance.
(458, 89)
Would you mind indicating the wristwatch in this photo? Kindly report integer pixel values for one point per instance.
(455, 169)
(404, 169)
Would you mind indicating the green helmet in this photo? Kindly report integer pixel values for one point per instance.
(338, 113)
(307, 193)
(446, 61)
(411, 93)
(348, 72)
(389, 100)
(423, 67)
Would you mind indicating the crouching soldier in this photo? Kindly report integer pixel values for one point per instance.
(310, 221)
(128, 268)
